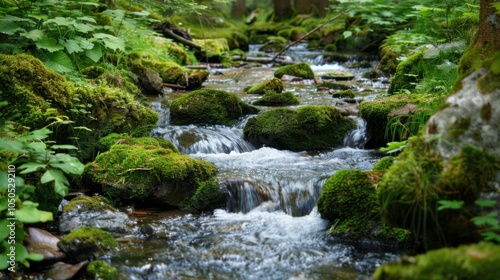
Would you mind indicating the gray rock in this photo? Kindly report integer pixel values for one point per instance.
(43, 242)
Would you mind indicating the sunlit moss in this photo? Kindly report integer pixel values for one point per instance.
(272, 98)
(300, 69)
(273, 84)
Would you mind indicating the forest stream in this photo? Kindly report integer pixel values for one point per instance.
(270, 228)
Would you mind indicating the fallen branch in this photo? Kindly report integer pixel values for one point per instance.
(178, 38)
(308, 33)
(173, 86)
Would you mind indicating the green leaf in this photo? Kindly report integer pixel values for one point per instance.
(4, 230)
(59, 62)
(71, 46)
(36, 135)
(66, 147)
(49, 44)
(95, 53)
(84, 43)
(11, 146)
(29, 213)
(33, 35)
(61, 21)
(89, 19)
(9, 28)
(393, 147)
(21, 252)
(3, 262)
(67, 164)
(31, 167)
(110, 41)
(35, 257)
(489, 219)
(485, 203)
(491, 236)
(347, 34)
(450, 204)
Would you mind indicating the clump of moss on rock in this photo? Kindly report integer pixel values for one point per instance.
(383, 164)
(348, 93)
(109, 140)
(331, 85)
(349, 200)
(273, 84)
(273, 44)
(408, 72)
(208, 197)
(300, 69)
(208, 106)
(87, 243)
(99, 269)
(272, 98)
(306, 128)
(477, 261)
(144, 172)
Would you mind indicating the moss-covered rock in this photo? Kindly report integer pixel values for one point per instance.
(348, 93)
(419, 178)
(306, 128)
(208, 106)
(213, 48)
(272, 98)
(87, 243)
(383, 164)
(408, 72)
(101, 270)
(349, 200)
(383, 127)
(273, 44)
(273, 84)
(149, 172)
(338, 76)
(300, 69)
(477, 261)
(109, 140)
(331, 85)
(208, 197)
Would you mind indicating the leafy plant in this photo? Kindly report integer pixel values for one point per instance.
(33, 157)
(488, 220)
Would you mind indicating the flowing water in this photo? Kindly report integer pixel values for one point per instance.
(270, 228)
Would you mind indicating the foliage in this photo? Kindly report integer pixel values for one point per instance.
(40, 162)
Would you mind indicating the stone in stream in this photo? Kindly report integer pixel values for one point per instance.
(64, 271)
(300, 69)
(273, 84)
(91, 211)
(338, 76)
(86, 243)
(42, 242)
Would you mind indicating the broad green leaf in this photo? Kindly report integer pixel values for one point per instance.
(71, 46)
(393, 147)
(489, 219)
(36, 135)
(10, 28)
(3, 262)
(110, 41)
(34, 35)
(67, 164)
(347, 34)
(49, 44)
(11, 146)
(31, 167)
(485, 203)
(36, 147)
(95, 53)
(66, 147)
(450, 204)
(29, 213)
(61, 184)
(61, 21)
(9, 18)
(83, 27)
(47, 177)
(35, 257)
(491, 236)
(89, 19)
(84, 43)
(4, 230)
(115, 13)
(21, 252)
(59, 62)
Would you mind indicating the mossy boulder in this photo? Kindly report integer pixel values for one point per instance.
(208, 106)
(306, 128)
(87, 243)
(300, 69)
(273, 44)
(99, 269)
(348, 93)
(272, 98)
(213, 48)
(109, 140)
(408, 72)
(476, 261)
(331, 85)
(170, 72)
(383, 164)
(382, 118)
(149, 173)
(273, 84)
(208, 197)
(349, 200)
(93, 212)
(338, 76)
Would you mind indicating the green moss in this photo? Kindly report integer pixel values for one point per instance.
(272, 98)
(383, 164)
(388, 62)
(87, 239)
(477, 261)
(85, 203)
(132, 172)
(407, 73)
(47, 199)
(208, 197)
(331, 85)
(213, 47)
(92, 72)
(101, 270)
(208, 106)
(109, 140)
(273, 84)
(331, 48)
(300, 69)
(273, 44)
(306, 128)
(348, 93)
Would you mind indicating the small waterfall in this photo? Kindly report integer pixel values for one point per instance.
(357, 138)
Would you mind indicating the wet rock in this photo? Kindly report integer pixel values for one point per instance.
(300, 69)
(84, 211)
(87, 243)
(306, 128)
(273, 84)
(156, 231)
(101, 270)
(64, 271)
(208, 106)
(348, 93)
(43, 242)
(290, 78)
(339, 76)
(151, 82)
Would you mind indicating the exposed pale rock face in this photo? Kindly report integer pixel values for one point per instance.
(471, 117)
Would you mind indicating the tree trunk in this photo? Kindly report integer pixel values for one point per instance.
(238, 9)
(315, 7)
(489, 26)
(282, 8)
